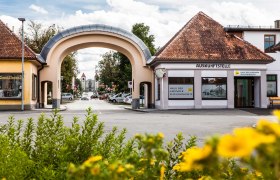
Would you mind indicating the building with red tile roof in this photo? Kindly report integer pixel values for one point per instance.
(203, 39)
(11, 72)
(203, 66)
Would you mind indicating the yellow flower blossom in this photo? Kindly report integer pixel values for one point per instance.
(162, 170)
(253, 137)
(196, 153)
(277, 114)
(161, 135)
(95, 170)
(269, 127)
(234, 146)
(91, 160)
(191, 158)
(128, 166)
(153, 161)
(120, 169)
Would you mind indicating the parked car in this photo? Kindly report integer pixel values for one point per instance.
(85, 98)
(67, 96)
(95, 95)
(119, 97)
(128, 99)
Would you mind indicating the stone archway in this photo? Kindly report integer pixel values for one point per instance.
(103, 36)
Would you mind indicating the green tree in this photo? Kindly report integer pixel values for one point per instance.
(142, 31)
(38, 36)
(108, 68)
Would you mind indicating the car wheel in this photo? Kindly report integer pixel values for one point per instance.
(114, 101)
(70, 99)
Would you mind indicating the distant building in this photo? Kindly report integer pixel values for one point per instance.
(88, 85)
(83, 81)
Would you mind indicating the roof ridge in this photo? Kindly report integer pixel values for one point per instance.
(12, 33)
(185, 26)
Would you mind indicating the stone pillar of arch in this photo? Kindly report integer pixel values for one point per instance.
(113, 38)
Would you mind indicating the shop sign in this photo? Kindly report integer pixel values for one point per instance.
(213, 65)
(180, 91)
(247, 73)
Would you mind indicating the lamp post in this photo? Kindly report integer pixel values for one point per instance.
(22, 64)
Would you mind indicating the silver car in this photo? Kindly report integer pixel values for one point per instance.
(67, 96)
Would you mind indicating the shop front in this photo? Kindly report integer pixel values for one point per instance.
(215, 85)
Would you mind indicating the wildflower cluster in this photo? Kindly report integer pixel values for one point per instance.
(247, 153)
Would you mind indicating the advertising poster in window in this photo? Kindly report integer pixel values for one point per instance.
(213, 91)
(10, 86)
(271, 88)
(180, 91)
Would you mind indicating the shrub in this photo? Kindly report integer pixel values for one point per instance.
(50, 150)
(47, 149)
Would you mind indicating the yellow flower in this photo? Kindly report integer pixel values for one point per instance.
(196, 153)
(161, 135)
(258, 173)
(234, 146)
(277, 114)
(191, 158)
(152, 162)
(95, 170)
(205, 178)
(120, 169)
(128, 166)
(253, 137)
(269, 127)
(91, 160)
(162, 169)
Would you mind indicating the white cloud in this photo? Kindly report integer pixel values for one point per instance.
(163, 23)
(38, 9)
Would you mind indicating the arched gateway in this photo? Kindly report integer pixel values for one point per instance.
(97, 35)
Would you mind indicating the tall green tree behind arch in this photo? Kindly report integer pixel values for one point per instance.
(37, 36)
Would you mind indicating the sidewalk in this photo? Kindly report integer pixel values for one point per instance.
(49, 108)
(244, 112)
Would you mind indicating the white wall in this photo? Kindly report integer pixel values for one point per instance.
(257, 39)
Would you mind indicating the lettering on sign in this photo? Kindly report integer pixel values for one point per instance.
(213, 66)
(180, 91)
(247, 73)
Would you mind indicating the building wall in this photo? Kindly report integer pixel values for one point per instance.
(190, 70)
(14, 66)
(257, 39)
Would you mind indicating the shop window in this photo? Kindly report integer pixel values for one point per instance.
(269, 41)
(10, 86)
(180, 88)
(158, 89)
(214, 88)
(271, 85)
(34, 87)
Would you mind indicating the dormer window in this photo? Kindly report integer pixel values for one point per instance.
(269, 41)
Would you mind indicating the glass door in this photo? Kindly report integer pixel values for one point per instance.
(244, 92)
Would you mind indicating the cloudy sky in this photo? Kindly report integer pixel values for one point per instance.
(165, 17)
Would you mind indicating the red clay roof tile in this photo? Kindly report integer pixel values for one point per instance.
(11, 46)
(203, 39)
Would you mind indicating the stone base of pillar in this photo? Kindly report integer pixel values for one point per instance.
(55, 103)
(151, 106)
(135, 104)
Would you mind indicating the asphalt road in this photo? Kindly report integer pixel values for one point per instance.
(201, 123)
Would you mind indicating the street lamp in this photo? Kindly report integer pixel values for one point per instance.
(22, 65)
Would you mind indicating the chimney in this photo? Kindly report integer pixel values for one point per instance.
(277, 24)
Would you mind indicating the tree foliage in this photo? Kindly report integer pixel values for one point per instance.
(142, 31)
(38, 36)
(120, 70)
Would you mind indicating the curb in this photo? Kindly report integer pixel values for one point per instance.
(63, 108)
